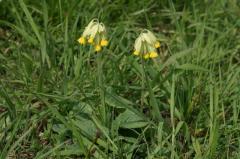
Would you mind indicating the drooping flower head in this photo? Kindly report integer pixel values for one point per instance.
(94, 34)
(146, 45)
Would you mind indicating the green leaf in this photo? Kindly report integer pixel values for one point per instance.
(21, 31)
(10, 105)
(129, 119)
(119, 102)
(30, 19)
(173, 58)
(193, 67)
(197, 148)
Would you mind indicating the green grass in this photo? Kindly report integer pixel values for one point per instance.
(59, 99)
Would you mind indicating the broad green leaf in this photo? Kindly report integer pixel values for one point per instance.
(129, 119)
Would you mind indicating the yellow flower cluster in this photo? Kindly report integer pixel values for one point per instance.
(94, 34)
(146, 45)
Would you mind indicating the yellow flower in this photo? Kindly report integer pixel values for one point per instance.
(82, 40)
(146, 56)
(90, 40)
(98, 48)
(157, 44)
(104, 42)
(153, 54)
(136, 52)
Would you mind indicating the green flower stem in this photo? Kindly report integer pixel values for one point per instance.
(102, 108)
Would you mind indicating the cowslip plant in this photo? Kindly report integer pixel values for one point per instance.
(146, 45)
(94, 34)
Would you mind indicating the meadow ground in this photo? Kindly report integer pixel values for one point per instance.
(59, 99)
